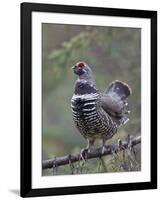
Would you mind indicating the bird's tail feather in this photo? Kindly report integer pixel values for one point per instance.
(119, 91)
(119, 88)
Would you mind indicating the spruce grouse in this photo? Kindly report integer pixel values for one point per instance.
(98, 115)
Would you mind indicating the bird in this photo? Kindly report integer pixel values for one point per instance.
(98, 115)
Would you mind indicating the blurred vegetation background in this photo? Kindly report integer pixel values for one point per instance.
(113, 53)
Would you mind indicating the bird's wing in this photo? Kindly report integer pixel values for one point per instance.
(114, 100)
(111, 105)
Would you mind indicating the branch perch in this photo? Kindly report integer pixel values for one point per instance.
(75, 157)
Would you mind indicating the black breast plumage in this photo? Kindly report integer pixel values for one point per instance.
(89, 117)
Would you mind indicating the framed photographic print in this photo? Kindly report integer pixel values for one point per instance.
(88, 99)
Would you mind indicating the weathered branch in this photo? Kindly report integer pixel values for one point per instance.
(75, 157)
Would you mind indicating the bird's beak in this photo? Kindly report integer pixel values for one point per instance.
(73, 67)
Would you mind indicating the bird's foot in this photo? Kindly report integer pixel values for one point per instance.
(84, 154)
(103, 149)
(119, 142)
(129, 141)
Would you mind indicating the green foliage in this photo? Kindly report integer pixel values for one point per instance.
(113, 53)
(70, 52)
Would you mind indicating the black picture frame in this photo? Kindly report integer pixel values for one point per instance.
(26, 103)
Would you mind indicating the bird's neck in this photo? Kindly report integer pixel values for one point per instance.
(83, 87)
(87, 77)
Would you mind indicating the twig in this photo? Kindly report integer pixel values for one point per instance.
(96, 153)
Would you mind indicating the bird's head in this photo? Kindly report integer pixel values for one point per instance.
(84, 73)
(81, 68)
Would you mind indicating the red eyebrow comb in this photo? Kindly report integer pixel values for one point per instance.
(81, 64)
